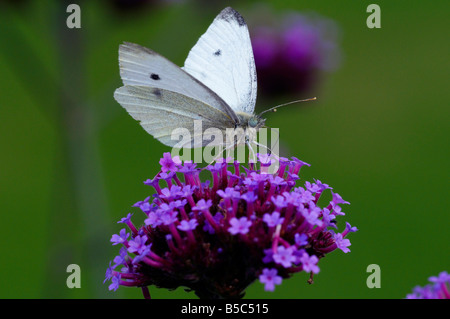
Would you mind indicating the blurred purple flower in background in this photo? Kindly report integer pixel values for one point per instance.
(218, 237)
(137, 5)
(291, 55)
(130, 4)
(438, 289)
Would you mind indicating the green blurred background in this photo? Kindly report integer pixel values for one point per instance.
(73, 161)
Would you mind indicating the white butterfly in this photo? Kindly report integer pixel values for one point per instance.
(217, 84)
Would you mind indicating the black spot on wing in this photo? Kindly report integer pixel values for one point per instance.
(157, 92)
(154, 76)
(218, 53)
(229, 14)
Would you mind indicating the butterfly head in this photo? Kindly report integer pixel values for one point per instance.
(247, 120)
(256, 122)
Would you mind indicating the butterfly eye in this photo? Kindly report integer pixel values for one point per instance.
(253, 122)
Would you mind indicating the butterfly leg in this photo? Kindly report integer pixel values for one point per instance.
(247, 142)
(276, 142)
(270, 152)
(274, 164)
(220, 153)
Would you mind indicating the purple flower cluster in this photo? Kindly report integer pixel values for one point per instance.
(290, 56)
(437, 289)
(219, 236)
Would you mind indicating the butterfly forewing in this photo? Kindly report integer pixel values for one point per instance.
(140, 66)
(222, 59)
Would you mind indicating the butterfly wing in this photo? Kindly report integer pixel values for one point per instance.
(161, 112)
(222, 59)
(140, 66)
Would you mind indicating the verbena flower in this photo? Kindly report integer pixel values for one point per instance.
(219, 236)
(292, 53)
(437, 289)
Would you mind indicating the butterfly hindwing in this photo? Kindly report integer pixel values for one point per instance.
(161, 112)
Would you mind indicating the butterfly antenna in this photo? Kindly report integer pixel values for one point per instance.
(274, 109)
